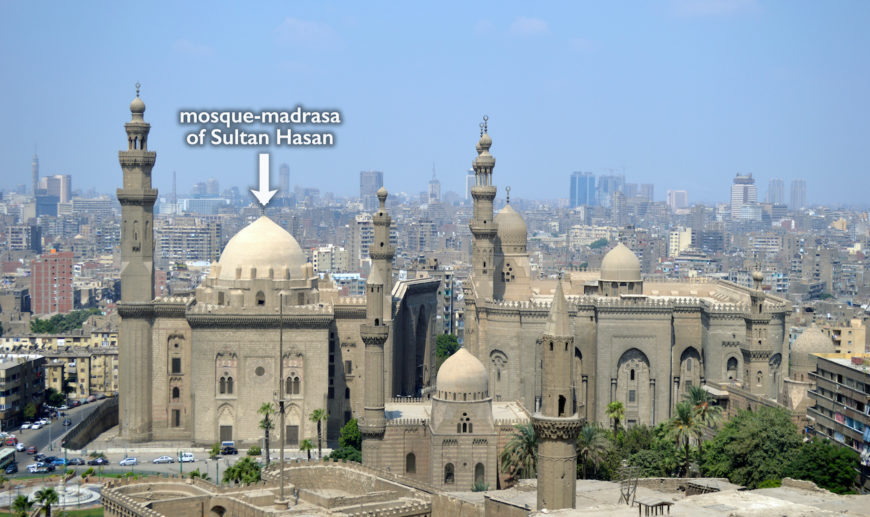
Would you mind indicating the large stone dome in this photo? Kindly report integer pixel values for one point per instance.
(620, 265)
(511, 228)
(259, 247)
(462, 377)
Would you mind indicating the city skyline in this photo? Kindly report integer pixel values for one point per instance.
(685, 96)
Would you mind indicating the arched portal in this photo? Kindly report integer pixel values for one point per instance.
(633, 387)
(690, 370)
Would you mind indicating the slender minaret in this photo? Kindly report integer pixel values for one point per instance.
(374, 334)
(757, 350)
(34, 172)
(558, 422)
(137, 278)
(482, 226)
(381, 253)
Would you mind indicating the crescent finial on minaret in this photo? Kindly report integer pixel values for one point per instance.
(137, 88)
(508, 190)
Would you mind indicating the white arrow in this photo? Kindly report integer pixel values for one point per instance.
(263, 194)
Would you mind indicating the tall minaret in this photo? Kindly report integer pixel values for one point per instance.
(757, 350)
(374, 334)
(482, 226)
(558, 422)
(381, 253)
(34, 172)
(137, 277)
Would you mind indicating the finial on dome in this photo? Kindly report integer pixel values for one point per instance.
(485, 119)
(508, 191)
(481, 129)
(137, 88)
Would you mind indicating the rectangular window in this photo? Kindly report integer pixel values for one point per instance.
(347, 367)
(176, 418)
(176, 365)
(331, 393)
(632, 395)
(226, 433)
(292, 436)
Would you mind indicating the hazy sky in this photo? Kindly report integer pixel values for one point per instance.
(682, 93)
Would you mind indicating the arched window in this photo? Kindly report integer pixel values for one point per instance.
(176, 393)
(448, 474)
(296, 384)
(562, 402)
(261, 298)
(288, 385)
(632, 375)
(347, 393)
(229, 385)
(410, 463)
(222, 385)
(732, 368)
(479, 473)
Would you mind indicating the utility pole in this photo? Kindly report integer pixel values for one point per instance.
(281, 385)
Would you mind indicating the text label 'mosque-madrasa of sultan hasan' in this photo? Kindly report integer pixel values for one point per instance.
(196, 368)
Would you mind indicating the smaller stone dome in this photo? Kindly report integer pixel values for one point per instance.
(620, 265)
(462, 377)
(485, 142)
(811, 341)
(137, 106)
(511, 228)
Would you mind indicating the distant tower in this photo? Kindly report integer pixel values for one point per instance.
(369, 183)
(761, 366)
(743, 193)
(34, 172)
(798, 194)
(434, 188)
(482, 227)
(137, 278)
(558, 423)
(284, 178)
(374, 334)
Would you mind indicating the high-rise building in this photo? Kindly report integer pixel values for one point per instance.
(25, 237)
(646, 191)
(607, 185)
(212, 187)
(582, 189)
(51, 283)
(743, 193)
(798, 194)
(619, 209)
(776, 191)
(284, 180)
(678, 240)
(469, 182)
(34, 172)
(678, 199)
(369, 183)
(188, 238)
(59, 186)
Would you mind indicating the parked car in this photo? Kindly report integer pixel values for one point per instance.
(63, 407)
(20, 447)
(12, 468)
(59, 462)
(36, 425)
(40, 457)
(76, 461)
(164, 459)
(44, 421)
(98, 461)
(226, 451)
(39, 468)
(186, 457)
(76, 403)
(31, 449)
(11, 440)
(127, 462)
(25, 425)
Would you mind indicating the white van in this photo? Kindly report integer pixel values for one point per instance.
(186, 457)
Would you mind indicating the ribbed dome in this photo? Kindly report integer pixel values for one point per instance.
(511, 227)
(262, 245)
(462, 373)
(813, 341)
(620, 265)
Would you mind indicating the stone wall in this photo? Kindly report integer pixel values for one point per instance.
(105, 417)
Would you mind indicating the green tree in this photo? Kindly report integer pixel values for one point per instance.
(519, 458)
(615, 412)
(255, 450)
(46, 497)
(267, 409)
(29, 411)
(707, 413)
(827, 465)
(61, 323)
(196, 474)
(445, 346)
(592, 447)
(215, 451)
(600, 243)
(306, 446)
(21, 506)
(245, 470)
(54, 398)
(350, 443)
(319, 416)
(683, 428)
(752, 447)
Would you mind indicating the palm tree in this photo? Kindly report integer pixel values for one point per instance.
(306, 446)
(317, 416)
(706, 413)
(616, 412)
(46, 497)
(21, 506)
(267, 410)
(520, 456)
(591, 446)
(683, 427)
